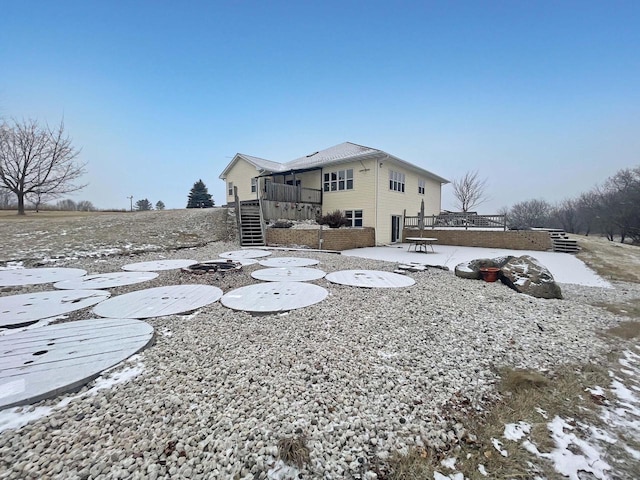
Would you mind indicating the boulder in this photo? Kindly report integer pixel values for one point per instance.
(472, 268)
(527, 275)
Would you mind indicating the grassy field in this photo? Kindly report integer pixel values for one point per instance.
(40, 237)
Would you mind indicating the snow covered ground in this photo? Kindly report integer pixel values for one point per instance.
(565, 268)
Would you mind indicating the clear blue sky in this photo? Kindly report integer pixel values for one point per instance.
(543, 98)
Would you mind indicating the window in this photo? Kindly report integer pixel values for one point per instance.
(336, 181)
(396, 181)
(421, 185)
(230, 189)
(354, 216)
(254, 185)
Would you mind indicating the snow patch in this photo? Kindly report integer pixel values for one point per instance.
(515, 431)
(497, 444)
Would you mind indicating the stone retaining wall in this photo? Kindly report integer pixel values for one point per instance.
(332, 238)
(510, 239)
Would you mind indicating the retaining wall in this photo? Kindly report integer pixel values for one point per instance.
(332, 238)
(510, 239)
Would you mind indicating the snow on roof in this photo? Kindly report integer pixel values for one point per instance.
(341, 153)
(262, 163)
(344, 151)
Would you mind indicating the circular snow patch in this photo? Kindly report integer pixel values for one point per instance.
(44, 362)
(237, 254)
(370, 279)
(288, 274)
(274, 296)
(159, 301)
(37, 276)
(29, 307)
(158, 265)
(105, 280)
(288, 262)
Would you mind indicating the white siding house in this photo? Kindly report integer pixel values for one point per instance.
(372, 187)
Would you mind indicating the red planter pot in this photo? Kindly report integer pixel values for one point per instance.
(490, 274)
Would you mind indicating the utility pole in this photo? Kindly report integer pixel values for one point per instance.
(131, 201)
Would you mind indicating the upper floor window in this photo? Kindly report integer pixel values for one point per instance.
(396, 181)
(421, 186)
(336, 181)
(254, 185)
(230, 189)
(354, 216)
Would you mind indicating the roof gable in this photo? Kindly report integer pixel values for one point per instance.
(261, 165)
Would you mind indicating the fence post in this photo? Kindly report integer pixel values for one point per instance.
(238, 216)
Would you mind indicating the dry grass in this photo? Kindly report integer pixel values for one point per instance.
(611, 260)
(293, 451)
(12, 215)
(626, 330)
(36, 236)
(629, 329)
(521, 394)
(630, 308)
(523, 380)
(416, 465)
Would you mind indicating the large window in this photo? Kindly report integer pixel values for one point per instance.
(336, 181)
(230, 189)
(254, 185)
(354, 216)
(421, 186)
(396, 181)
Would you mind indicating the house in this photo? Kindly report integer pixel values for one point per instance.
(373, 188)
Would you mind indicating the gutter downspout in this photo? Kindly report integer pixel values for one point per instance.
(378, 167)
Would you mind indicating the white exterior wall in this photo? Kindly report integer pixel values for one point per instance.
(362, 197)
(241, 174)
(371, 192)
(391, 202)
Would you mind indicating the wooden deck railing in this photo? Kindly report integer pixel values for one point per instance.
(279, 192)
(457, 220)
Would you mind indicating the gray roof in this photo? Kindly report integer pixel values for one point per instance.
(344, 152)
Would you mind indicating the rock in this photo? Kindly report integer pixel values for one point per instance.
(526, 275)
(472, 268)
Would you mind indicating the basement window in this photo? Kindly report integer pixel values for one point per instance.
(354, 216)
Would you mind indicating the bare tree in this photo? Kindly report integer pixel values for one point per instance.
(85, 206)
(565, 213)
(67, 205)
(469, 191)
(6, 199)
(530, 213)
(37, 161)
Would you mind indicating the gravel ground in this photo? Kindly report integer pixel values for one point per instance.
(360, 375)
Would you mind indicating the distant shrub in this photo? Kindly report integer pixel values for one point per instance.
(282, 224)
(335, 219)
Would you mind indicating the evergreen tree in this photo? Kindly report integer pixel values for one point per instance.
(199, 196)
(159, 205)
(143, 204)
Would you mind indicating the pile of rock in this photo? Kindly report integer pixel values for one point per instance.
(524, 274)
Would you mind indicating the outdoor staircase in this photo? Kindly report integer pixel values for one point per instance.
(560, 241)
(251, 232)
